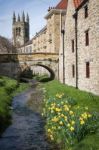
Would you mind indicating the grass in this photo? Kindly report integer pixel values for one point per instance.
(41, 78)
(83, 99)
(8, 89)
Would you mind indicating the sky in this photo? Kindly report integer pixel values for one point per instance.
(36, 9)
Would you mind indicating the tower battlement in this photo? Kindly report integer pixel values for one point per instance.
(20, 29)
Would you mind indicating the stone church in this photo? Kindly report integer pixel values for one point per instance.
(79, 56)
(20, 29)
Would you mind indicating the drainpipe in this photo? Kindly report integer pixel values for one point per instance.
(63, 33)
(76, 45)
(63, 51)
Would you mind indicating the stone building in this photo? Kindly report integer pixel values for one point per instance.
(20, 29)
(26, 48)
(39, 41)
(48, 39)
(81, 59)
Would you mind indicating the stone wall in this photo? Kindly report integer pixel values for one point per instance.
(69, 36)
(12, 64)
(9, 69)
(54, 29)
(85, 53)
(61, 51)
(48, 39)
(89, 53)
(39, 41)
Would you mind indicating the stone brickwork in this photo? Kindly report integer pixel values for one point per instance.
(39, 41)
(82, 54)
(89, 53)
(48, 39)
(11, 64)
(69, 36)
(20, 30)
(26, 48)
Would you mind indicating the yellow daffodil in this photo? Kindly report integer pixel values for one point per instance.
(62, 115)
(86, 108)
(62, 103)
(54, 128)
(42, 114)
(52, 138)
(72, 128)
(68, 125)
(65, 117)
(57, 109)
(80, 118)
(61, 123)
(59, 113)
(66, 108)
(49, 130)
(73, 122)
(84, 115)
(59, 96)
(82, 122)
(89, 115)
(59, 127)
(71, 112)
(55, 119)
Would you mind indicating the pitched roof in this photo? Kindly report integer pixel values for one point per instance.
(77, 3)
(62, 4)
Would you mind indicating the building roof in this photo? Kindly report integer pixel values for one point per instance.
(26, 44)
(40, 32)
(77, 3)
(62, 4)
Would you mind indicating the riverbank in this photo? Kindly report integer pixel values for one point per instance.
(63, 106)
(8, 89)
(27, 128)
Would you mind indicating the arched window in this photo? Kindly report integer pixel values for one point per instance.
(18, 31)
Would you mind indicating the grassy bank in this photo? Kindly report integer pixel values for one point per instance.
(8, 89)
(76, 98)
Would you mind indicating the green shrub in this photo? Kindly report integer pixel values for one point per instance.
(2, 82)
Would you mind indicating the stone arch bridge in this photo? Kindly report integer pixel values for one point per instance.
(12, 64)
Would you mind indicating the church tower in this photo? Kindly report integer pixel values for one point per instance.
(20, 29)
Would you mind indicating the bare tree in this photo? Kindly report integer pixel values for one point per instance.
(6, 46)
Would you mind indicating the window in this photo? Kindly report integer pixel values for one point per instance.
(18, 31)
(73, 46)
(26, 32)
(86, 11)
(73, 71)
(26, 49)
(87, 37)
(30, 49)
(87, 70)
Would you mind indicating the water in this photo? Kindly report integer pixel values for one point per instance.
(27, 129)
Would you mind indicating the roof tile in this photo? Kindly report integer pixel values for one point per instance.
(77, 3)
(62, 4)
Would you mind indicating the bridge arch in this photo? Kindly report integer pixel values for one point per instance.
(50, 70)
(52, 74)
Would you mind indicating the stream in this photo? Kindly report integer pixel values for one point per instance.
(27, 129)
